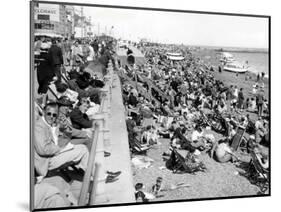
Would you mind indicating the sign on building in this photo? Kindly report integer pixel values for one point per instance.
(50, 12)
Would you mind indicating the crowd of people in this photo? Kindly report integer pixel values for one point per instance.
(177, 100)
(68, 97)
(185, 101)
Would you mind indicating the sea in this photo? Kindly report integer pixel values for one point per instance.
(257, 61)
(257, 58)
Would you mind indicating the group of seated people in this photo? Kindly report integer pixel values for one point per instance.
(190, 94)
(63, 135)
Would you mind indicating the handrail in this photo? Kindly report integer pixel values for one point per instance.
(92, 196)
(86, 189)
(87, 176)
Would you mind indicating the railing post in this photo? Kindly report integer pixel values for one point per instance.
(87, 177)
(95, 184)
(99, 195)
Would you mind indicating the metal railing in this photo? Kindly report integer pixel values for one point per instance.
(93, 185)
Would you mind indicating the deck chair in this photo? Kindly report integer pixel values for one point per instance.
(237, 138)
(136, 146)
(182, 161)
(257, 174)
(39, 108)
(52, 92)
(205, 119)
(64, 78)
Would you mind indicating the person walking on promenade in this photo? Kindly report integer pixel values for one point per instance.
(95, 46)
(66, 49)
(45, 72)
(76, 51)
(56, 58)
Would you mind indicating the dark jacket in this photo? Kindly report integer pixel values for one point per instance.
(55, 55)
(80, 120)
(133, 100)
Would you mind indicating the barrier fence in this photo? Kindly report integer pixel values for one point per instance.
(93, 185)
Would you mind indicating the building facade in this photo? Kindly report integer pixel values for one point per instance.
(53, 20)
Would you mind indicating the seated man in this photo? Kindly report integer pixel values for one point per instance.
(63, 90)
(79, 118)
(83, 86)
(52, 149)
(48, 196)
(77, 136)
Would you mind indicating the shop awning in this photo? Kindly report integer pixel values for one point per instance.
(48, 34)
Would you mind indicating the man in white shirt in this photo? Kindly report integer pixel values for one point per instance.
(224, 153)
(197, 138)
(52, 147)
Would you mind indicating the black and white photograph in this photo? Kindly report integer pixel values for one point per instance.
(137, 105)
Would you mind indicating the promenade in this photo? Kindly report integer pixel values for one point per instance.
(139, 57)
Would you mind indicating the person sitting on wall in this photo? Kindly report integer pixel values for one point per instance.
(79, 118)
(77, 136)
(63, 90)
(52, 148)
(49, 196)
(82, 85)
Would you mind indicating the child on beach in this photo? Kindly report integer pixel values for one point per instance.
(156, 188)
(139, 194)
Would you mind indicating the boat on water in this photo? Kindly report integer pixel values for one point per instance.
(174, 56)
(235, 67)
(226, 57)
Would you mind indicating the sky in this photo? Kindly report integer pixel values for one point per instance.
(181, 28)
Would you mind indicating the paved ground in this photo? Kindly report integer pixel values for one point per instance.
(121, 191)
(139, 57)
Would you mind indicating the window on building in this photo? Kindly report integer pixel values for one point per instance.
(43, 17)
(44, 26)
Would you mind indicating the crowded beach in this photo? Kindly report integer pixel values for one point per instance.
(195, 131)
(192, 132)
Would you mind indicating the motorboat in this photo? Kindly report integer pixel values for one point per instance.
(226, 57)
(174, 56)
(235, 67)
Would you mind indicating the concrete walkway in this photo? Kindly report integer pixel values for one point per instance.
(122, 190)
(139, 57)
